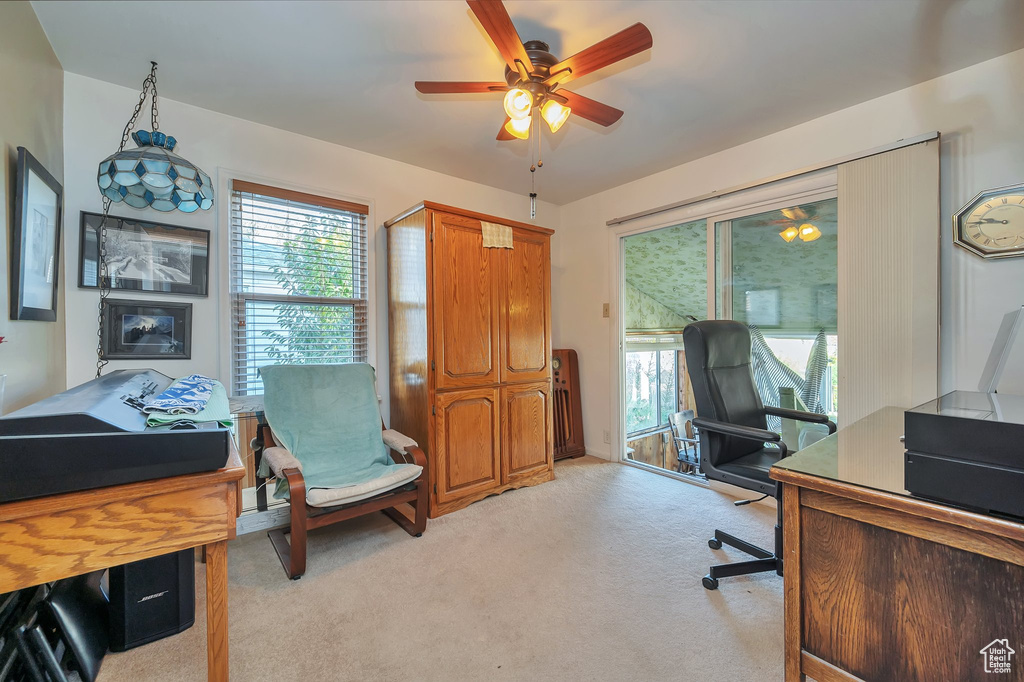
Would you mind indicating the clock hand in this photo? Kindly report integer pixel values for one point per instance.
(979, 221)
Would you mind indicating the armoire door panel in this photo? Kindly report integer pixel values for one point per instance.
(526, 430)
(526, 351)
(465, 330)
(467, 442)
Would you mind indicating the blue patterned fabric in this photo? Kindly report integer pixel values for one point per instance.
(188, 395)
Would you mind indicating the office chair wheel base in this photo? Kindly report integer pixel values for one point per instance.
(710, 583)
(714, 543)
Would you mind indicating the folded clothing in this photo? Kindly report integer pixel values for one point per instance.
(187, 395)
(217, 409)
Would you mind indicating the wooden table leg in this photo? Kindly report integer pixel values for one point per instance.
(217, 611)
(791, 582)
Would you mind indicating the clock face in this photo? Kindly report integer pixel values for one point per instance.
(992, 225)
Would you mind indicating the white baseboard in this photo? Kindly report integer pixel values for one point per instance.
(277, 516)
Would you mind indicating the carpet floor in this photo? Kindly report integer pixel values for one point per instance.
(593, 576)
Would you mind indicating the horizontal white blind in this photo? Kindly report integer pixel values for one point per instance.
(298, 282)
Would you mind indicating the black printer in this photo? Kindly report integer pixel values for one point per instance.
(967, 448)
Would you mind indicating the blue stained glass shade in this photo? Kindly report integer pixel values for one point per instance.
(153, 175)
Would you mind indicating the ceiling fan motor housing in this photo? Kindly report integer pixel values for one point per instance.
(537, 51)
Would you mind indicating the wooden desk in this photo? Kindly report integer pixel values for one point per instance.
(880, 585)
(56, 537)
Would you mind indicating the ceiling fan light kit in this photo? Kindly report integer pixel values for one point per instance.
(518, 104)
(534, 77)
(519, 128)
(554, 114)
(809, 233)
(790, 233)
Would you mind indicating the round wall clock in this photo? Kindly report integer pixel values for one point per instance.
(992, 224)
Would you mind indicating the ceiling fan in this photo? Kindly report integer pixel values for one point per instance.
(534, 76)
(807, 231)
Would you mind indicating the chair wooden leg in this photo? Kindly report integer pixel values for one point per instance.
(418, 523)
(293, 554)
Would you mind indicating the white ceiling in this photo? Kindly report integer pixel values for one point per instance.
(721, 73)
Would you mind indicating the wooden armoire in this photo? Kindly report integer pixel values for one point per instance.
(470, 351)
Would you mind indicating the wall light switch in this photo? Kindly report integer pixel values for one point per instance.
(605, 312)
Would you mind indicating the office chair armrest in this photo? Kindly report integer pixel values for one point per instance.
(747, 432)
(801, 416)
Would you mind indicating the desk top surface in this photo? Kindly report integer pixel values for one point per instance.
(867, 453)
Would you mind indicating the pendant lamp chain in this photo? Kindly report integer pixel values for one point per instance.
(103, 279)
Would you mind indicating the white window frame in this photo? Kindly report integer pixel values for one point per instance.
(225, 179)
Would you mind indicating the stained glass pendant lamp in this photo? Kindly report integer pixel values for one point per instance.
(152, 175)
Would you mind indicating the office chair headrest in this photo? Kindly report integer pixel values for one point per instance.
(717, 343)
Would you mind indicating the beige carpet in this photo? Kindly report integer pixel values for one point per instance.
(594, 576)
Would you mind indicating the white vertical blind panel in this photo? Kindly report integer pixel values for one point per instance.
(889, 236)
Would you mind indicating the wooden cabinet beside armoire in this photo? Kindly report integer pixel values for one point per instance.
(470, 351)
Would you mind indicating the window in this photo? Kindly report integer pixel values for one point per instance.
(652, 386)
(298, 281)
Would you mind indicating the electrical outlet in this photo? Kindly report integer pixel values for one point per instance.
(607, 436)
(605, 312)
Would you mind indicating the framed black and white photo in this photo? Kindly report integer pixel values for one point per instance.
(146, 330)
(35, 242)
(145, 256)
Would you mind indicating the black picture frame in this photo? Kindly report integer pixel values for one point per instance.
(35, 241)
(176, 259)
(146, 330)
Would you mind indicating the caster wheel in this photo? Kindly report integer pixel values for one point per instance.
(710, 583)
(715, 543)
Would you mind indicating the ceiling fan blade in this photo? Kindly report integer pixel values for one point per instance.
(451, 87)
(625, 43)
(495, 20)
(592, 110)
(504, 134)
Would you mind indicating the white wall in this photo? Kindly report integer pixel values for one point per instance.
(978, 110)
(31, 115)
(95, 113)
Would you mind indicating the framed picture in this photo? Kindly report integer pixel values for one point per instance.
(145, 256)
(763, 307)
(146, 330)
(35, 242)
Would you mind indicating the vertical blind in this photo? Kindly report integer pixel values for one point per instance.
(889, 280)
(298, 281)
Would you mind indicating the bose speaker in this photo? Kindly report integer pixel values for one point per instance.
(152, 599)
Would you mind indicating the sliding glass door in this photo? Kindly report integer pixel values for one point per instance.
(776, 271)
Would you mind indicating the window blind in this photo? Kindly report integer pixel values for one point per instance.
(298, 281)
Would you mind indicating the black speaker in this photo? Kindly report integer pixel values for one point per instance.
(152, 599)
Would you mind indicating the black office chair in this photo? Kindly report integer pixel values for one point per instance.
(736, 446)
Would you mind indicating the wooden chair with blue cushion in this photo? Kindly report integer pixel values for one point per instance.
(325, 443)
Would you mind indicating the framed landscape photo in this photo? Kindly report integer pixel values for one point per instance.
(35, 241)
(146, 330)
(145, 256)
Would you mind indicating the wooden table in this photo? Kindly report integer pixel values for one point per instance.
(60, 536)
(881, 585)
